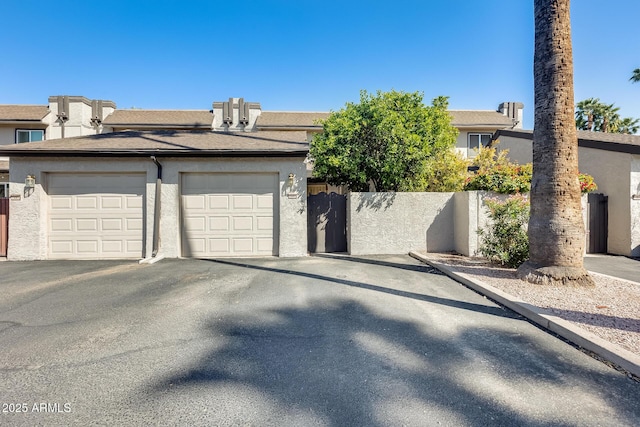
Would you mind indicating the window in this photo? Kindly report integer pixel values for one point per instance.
(27, 135)
(477, 140)
(4, 189)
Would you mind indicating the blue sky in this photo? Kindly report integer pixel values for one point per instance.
(305, 55)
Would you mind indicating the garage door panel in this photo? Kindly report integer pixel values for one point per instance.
(62, 247)
(219, 223)
(61, 203)
(218, 246)
(87, 224)
(133, 224)
(243, 246)
(264, 223)
(94, 216)
(264, 245)
(195, 224)
(242, 202)
(194, 202)
(239, 214)
(243, 223)
(112, 246)
(86, 202)
(112, 202)
(112, 224)
(133, 202)
(264, 202)
(61, 225)
(87, 247)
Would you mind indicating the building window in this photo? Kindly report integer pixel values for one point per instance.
(477, 140)
(28, 135)
(4, 189)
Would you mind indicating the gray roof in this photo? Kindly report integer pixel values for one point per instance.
(619, 142)
(23, 113)
(307, 120)
(188, 119)
(290, 120)
(479, 118)
(169, 143)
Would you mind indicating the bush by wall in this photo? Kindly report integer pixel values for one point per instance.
(505, 239)
(494, 172)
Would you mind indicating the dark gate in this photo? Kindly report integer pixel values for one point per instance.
(327, 223)
(4, 225)
(597, 220)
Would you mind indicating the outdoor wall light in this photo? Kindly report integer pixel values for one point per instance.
(290, 181)
(30, 182)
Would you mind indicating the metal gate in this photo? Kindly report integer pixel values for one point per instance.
(4, 225)
(327, 223)
(597, 222)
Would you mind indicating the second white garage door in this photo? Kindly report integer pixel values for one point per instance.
(229, 214)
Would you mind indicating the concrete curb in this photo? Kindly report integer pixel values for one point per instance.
(569, 331)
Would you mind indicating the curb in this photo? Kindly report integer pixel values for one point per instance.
(567, 330)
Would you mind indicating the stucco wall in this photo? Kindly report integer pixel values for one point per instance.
(393, 223)
(520, 149)
(635, 206)
(28, 222)
(611, 172)
(468, 216)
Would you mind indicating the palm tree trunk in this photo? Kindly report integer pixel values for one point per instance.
(556, 230)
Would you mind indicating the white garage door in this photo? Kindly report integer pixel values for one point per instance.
(95, 216)
(229, 214)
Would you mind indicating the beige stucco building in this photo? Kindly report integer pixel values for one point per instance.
(89, 181)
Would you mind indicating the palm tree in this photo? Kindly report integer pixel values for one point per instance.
(628, 125)
(588, 113)
(556, 231)
(636, 76)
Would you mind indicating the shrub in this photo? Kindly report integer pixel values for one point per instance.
(496, 173)
(505, 240)
(587, 184)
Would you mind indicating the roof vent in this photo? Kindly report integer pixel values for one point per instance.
(63, 108)
(243, 112)
(96, 113)
(227, 112)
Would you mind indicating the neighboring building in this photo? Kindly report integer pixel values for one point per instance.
(476, 127)
(614, 162)
(230, 181)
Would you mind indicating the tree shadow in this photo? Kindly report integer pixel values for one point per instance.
(343, 364)
(487, 309)
(375, 201)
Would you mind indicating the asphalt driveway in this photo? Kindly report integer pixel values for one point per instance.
(314, 341)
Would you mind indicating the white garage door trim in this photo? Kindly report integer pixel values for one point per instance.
(229, 214)
(95, 215)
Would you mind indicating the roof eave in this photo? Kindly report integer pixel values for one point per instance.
(23, 121)
(288, 127)
(161, 153)
(163, 126)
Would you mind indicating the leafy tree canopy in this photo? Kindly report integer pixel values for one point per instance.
(635, 77)
(593, 115)
(392, 141)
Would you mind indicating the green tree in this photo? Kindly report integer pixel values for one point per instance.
(556, 231)
(635, 78)
(389, 141)
(593, 115)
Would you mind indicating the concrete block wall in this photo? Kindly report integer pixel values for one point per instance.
(394, 223)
